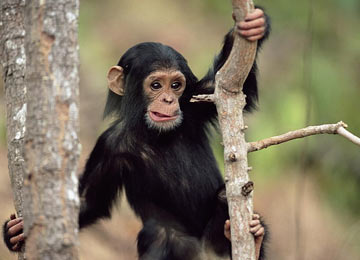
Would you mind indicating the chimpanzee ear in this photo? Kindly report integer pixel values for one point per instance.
(115, 78)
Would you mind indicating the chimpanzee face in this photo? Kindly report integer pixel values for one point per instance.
(162, 89)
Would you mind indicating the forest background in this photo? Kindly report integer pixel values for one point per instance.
(307, 190)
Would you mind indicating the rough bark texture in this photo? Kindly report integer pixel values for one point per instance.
(230, 102)
(13, 61)
(52, 148)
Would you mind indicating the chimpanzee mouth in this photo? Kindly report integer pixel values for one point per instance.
(162, 122)
(160, 117)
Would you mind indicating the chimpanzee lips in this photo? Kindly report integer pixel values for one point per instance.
(159, 117)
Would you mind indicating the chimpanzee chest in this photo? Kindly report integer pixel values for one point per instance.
(182, 180)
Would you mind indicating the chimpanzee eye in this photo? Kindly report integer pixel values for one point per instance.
(155, 86)
(176, 85)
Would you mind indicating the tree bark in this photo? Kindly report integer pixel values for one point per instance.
(12, 53)
(230, 102)
(52, 147)
(13, 63)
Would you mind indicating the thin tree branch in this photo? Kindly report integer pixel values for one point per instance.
(345, 133)
(338, 128)
(202, 98)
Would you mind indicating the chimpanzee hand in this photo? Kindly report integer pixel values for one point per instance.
(254, 26)
(13, 233)
(256, 228)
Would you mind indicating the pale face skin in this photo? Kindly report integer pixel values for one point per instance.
(163, 88)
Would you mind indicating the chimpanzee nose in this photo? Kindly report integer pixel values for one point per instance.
(168, 99)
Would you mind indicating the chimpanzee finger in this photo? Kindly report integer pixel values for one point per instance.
(16, 247)
(254, 223)
(15, 229)
(255, 229)
(227, 225)
(254, 15)
(255, 38)
(255, 216)
(260, 232)
(227, 229)
(17, 239)
(13, 222)
(13, 216)
(251, 24)
(252, 32)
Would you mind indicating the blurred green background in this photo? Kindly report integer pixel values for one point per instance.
(308, 190)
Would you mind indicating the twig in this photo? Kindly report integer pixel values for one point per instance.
(338, 128)
(202, 98)
(345, 133)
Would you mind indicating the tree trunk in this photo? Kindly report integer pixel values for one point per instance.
(230, 102)
(12, 53)
(52, 148)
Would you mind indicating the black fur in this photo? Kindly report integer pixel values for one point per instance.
(250, 88)
(6, 237)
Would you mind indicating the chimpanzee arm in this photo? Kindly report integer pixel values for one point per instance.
(213, 236)
(260, 231)
(206, 85)
(218, 236)
(101, 181)
(98, 188)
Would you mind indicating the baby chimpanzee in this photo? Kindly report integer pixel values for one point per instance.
(158, 151)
